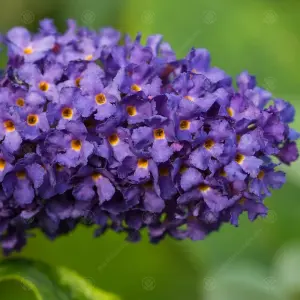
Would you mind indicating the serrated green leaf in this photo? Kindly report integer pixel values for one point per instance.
(49, 283)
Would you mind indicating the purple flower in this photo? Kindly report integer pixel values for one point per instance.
(155, 139)
(105, 131)
(21, 182)
(64, 111)
(68, 148)
(44, 83)
(21, 43)
(84, 190)
(10, 132)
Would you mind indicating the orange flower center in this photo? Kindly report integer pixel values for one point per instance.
(100, 99)
(209, 144)
(190, 98)
(9, 126)
(185, 125)
(67, 113)
(136, 88)
(204, 188)
(28, 50)
(44, 86)
(20, 102)
(89, 57)
(96, 176)
(131, 110)
(32, 120)
(113, 139)
(223, 173)
(159, 134)
(239, 158)
(142, 163)
(261, 174)
(230, 111)
(76, 145)
(77, 81)
(21, 174)
(2, 164)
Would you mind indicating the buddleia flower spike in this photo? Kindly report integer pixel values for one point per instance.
(103, 130)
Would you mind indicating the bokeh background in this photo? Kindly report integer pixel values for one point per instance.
(255, 261)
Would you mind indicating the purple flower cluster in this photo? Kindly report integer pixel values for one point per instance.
(102, 130)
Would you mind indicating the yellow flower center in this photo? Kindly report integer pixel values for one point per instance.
(44, 86)
(76, 145)
(21, 175)
(190, 98)
(77, 81)
(96, 176)
(164, 171)
(59, 167)
(209, 144)
(251, 126)
(230, 111)
(9, 126)
(204, 188)
(28, 50)
(159, 134)
(131, 110)
(136, 88)
(261, 174)
(223, 173)
(242, 201)
(20, 102)
(89, 57)
(100, 99)
(67, 113)
(32, 120)
(183, 169)
(2, 164)
(239, 158)
(113, 139)
(142, 163)
(148, 185)
(185, 125)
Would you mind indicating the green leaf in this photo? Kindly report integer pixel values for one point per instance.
(240, 281)
(286, 270)
(50, 283)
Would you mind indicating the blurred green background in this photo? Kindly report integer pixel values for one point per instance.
(262, 36)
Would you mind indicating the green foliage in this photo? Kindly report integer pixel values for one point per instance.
(49, 283)
(250, 281)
